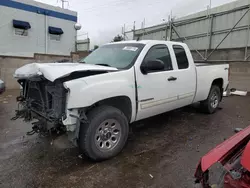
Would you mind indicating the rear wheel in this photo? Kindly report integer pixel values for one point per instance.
(105, 135)
(212, 102)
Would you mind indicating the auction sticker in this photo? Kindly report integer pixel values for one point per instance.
(130, 48)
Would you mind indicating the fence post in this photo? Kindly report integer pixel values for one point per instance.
(210, 34)
(248, 28)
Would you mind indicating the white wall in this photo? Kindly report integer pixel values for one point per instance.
(35, 42)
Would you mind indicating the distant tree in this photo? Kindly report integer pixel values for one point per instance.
(95, 47)
(118, 38)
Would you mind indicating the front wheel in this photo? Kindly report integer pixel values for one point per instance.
(212, 102)
(105, 135)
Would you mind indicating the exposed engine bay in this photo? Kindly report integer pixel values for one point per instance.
(44, 101)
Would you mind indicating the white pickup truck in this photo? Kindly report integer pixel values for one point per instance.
(95, 100)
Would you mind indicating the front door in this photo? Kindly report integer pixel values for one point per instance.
(157, 91)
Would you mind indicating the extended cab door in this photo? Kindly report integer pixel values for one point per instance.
(185, 73)
(168, 89)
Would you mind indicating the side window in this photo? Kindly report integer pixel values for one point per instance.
(181, 57)
(160, 52)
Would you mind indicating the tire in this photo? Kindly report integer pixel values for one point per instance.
(105, 135)
(213, 100)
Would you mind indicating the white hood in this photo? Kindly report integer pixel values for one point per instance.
(53, 71)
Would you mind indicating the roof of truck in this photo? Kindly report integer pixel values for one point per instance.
(149, 42)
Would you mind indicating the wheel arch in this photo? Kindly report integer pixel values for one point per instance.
(218, 82)
(122, 103)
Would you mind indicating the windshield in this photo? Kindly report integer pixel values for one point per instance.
(121, 56)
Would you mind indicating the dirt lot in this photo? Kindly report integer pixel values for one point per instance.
(162, 151)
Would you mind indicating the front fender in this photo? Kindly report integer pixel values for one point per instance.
(87, 91)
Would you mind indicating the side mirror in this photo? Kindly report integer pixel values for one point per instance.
(152, 66)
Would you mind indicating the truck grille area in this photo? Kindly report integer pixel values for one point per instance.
(46, 98)
(42, 100)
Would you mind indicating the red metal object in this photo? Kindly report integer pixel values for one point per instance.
(245, 159)
(224, 152)
(229, 182)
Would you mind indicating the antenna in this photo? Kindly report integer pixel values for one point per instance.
(64, 1)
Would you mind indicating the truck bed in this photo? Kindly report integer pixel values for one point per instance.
(206, 74)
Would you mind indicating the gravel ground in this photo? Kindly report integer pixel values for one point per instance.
(161, 152)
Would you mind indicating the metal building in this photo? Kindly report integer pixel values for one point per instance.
(224, 27)
(83, 45)
(28, 27)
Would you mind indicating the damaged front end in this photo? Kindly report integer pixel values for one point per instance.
(44, 101)
(43, 98)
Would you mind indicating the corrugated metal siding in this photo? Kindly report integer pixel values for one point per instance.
(160, 35)
(198, 43)
(234, 40)
(197, 30)
(194, 28)
(227, 21)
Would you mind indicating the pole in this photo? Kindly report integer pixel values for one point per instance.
(124, 35)
(210, 34)
(248, 28)
(143, 28)
(46, 34)
(76, 43)
(170, 25)
(134, 31)
(64, 1)
(170, 28)
(166, 34)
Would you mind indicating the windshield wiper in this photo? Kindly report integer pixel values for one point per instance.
(103, 64)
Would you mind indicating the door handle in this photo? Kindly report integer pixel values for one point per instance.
(172, 78)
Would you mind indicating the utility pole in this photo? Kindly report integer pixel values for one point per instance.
(134, 31)
(170, 19)
(210, 7)
(64, 1)
(124, 35)
(143, 26)
(122, 31)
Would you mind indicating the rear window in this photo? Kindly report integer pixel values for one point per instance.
(181, 57)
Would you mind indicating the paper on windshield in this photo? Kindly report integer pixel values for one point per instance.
(130, 48)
